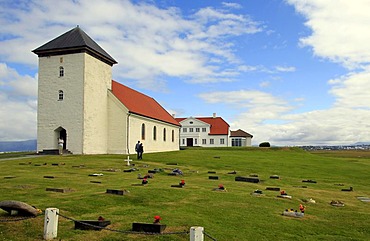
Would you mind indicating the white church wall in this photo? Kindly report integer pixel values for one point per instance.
(117, 120)
(151, 145)
(98, 79)
(54, 113)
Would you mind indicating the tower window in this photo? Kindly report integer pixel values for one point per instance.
(61, 71)
(61, 95)
(164, 134)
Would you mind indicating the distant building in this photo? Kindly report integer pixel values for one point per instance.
(79, 102)
(210, 132)
(240, 138)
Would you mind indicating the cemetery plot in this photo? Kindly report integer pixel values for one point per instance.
(148, 227)
(309, 181)
(273, 188)
(116, 192)
(247, 179)
(62, 190)
(213, 177)
(91, 224)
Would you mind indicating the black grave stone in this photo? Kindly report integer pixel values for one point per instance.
(273, 188)
(116, 192)
(213, 177)
(148, 227)
(91, 224)
(247, 179)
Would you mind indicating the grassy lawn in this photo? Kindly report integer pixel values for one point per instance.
(231, 215)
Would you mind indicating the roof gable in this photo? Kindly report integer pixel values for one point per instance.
(141, 104)
(74, 41)
(218, 125)
(240, 133)
(191, 121)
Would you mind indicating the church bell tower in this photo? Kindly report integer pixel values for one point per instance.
(74, 76)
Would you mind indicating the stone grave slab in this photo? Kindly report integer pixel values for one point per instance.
(212, 172)
(9, 177)
(309, 181)
(213, 177)
(172, 163)
(178, 186)
(49, 177)
(148, 227)
(95, 181)
(350, 189)
(91, 224)
(274, 177)
(247, 179)
(364, 199)
(62, 190)
(116, 192)
(273, 188)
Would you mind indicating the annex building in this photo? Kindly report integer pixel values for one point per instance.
(80, 103)
(211, 132)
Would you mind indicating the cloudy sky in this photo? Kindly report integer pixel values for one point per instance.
(290, 72)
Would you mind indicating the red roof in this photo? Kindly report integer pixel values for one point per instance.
(218, 125)
(141, 104)
(240, 133)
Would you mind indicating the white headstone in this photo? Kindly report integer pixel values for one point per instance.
(128, 160)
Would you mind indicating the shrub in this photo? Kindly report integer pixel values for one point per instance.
(264, 144)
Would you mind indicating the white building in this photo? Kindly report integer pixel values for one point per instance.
(204, 131)
(79, 102)
(211, 132)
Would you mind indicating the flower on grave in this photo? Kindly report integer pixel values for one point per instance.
(157, 219)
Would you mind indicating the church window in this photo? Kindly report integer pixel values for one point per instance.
(154, 133)
(61, 71)
(143, 131)
(61, 59)
(61, 95)
(164, 134)
(173, 135)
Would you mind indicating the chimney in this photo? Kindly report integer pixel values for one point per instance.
(214, 115)
(173, 115)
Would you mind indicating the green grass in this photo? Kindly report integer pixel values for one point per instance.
(231, 215)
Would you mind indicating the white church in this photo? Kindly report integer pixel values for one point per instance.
(80, 103)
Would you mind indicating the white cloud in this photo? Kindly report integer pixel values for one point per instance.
(232, 5)
(149, 42)
(339, 29)
(18, 105)
(285, 68)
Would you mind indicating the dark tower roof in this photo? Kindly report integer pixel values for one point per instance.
(74, 41)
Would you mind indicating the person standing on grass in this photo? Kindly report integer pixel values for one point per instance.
(137, 148)
(141, 150)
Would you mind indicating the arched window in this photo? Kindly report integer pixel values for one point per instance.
(164, 134)
(143, 131)
(61, 95)
(173, 136)
(154, 133)
(61, 71)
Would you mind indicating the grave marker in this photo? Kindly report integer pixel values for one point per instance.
(116, 192)
(273, 188)
(128, 160)
(86, 224)
(247, 179)
(213, 177)
(148, 227)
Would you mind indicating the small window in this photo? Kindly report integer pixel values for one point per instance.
(191, 129)
(183, 141)
(197, 129)
(61, 95)
(154, 133)
(143, 131)
(204, 129)
(184, 129)
(195, 141)
(211, 141)
(222, 141)
(61, 71)
(61, 59)
(204, 141)
(164, 134)
(173, 136)
(190, 122)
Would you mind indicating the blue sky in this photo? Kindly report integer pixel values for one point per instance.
(289, 72)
